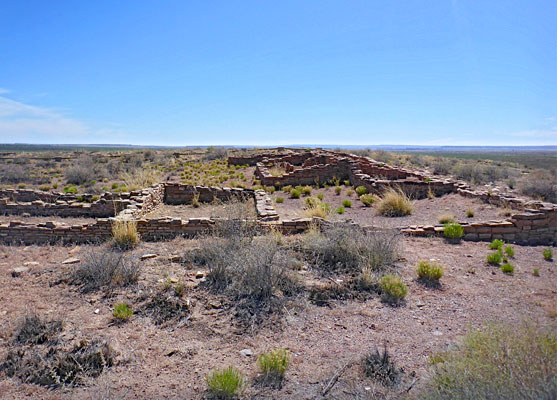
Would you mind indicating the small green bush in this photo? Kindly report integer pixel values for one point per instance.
(225, 383)
(509, 251)
(349, 192)
(338, 189)
(497, 244)
(507, 268)
(367, 200)
(287, 189)
(55, 186)
(44, 188)
(311, 202)
(548, 254)
(273, 365)
(320, 196)
(339, 210)
(70, 189)
(295, 193)
(114, 186)
(347, 203)
(536, 272)
(494, 258)
(453, 231)
(122, 312)
(306, 190)
(393, 289)
(429, 271)
(280, 200)
(360, 190)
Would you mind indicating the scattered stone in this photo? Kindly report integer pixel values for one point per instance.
(97, 311)
(31, 264)
(147, 256)
(72, 260)
(437, 333)
(173, 280)
(17, 271)
(199, 274)
(246, 352)
(174, 258)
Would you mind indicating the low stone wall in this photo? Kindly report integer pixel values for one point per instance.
(176, 193)
(99, 209)
(264, 206)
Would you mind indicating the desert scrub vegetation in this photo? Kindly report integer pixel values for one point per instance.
(140, 178)
(381, 367)
(104, 268)
(453, 232)
(295, 193)
(34, 330)
(429, 272)
(224, 384)
(124, 233)
(446, 218)
(361, 190)
(540, 185)
(509, 251)
(507, 268)
(394, 203)
(273, 366)
(497, 362)
(346, 203)
(315, 208)
(367, 199)
(350, 248)
(279, 199)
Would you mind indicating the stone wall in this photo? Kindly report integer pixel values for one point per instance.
(176, 193)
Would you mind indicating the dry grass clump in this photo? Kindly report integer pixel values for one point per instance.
(315, 208)
(446, 218)
(394, 203)
(381, 367)
(393, 289)
(140, 178)
(34, 330)
(497, 362)
(124, 233)
(277, 170)
(540, 185)
(106, 268)
(273, 366)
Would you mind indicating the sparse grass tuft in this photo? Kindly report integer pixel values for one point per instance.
(295, 193)
(34, 330)
(497, 244)
(453, 231)
(346, 203)
(429, 272)
(494, 258)
(273, 366)
(339, 210)
(280, 199)
(367, 200)
(224, 384)
(470, 213)
(381, 367)
(446, 218)
(122, 312)
(507, 268)
(548, 254)
(361, 190)
(393, 289)
(509, 251)
(338, 190)
(394, 203)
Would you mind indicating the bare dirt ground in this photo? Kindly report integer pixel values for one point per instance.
(39, 219)
(426, 211)
(206, 210)
(171, 362)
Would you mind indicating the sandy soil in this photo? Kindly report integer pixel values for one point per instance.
(207, 210)
(171, 362)
(426, 211)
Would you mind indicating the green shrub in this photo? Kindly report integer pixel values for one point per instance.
(497, 244)
(225, 383)
(338, 190)
(55, 186)
(70, 189)
(548, 254)
(497, 362)
(509, 251)
(429, 271)
(453, 231)
(273, 365)
(320, 196)
(306, 190)
(280, 200)
(394, 203)
(295, 193)
(114, 186)
(494, 258)
(346, 183)
(349, 192)
(536, 272)
(347, 203)
(44, 188)
(367, 200)
(311, 202)
(507, 268)
(360, 190)
(122, 312)
(339, 210)
(287, 189)
(393, 289)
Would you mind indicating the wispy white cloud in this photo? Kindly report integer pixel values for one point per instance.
(537, 133)
(20, 122)
(4, 91)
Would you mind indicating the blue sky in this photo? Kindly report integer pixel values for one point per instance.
(279, 72)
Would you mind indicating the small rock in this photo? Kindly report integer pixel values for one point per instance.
(31, 264)
(97, 311)
(420, 304)
(437, 333)
(72, 260)
(17, 271)
(173, 280)
(199, 274)
(75, 250)
(246, 352)
(174, 258)
(147, 256)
